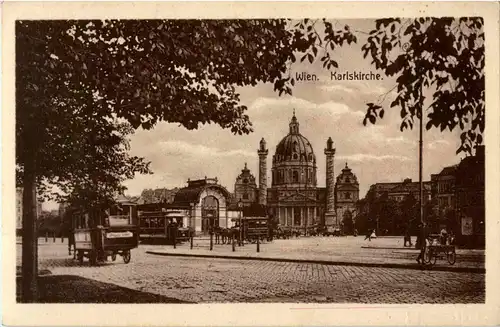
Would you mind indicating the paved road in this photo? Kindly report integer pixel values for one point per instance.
(388, 251)
(219, 280)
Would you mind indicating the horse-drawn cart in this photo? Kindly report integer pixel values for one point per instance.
(439, 248)
(98, 235)
(251, 229)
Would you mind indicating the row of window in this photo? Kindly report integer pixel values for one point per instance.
(445, 187)
(294, 176)
(159, 222)
(445, 201)
(294, 156)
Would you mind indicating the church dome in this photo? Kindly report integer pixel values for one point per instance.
(294, 146)
(294, 162)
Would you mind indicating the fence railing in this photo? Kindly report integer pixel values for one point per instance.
(213, 239)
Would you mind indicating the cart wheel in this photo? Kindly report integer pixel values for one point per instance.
(434, 258)
(113, 256)
(93, 258)
(452, 257)
(126, 256)
(80, 256)
(428, 255)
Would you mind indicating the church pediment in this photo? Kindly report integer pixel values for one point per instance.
(297, 197)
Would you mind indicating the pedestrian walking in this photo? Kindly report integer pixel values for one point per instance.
(407, 237)
(423, 246)
(421, 254)
(369, 235)
(419, 237)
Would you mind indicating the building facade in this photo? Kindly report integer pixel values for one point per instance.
(245, 188)
(444, 196)
(458, 196)
(346, 194)
(207, 202)
(399, 191)
(470, 200)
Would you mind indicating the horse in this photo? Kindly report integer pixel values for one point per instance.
(217, 232)
(222, 235)
(227, 235)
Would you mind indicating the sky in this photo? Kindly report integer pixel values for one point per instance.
(324, 108)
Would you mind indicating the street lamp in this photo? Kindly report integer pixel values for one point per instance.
(192, 209)
(240, 207)
(305, 201)
(420, 179)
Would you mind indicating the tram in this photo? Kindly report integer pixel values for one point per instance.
(163, 224)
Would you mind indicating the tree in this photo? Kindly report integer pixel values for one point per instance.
(409, 211)
(385, 212)
(49, 224)
(390, 216)
(74, 77)
(442, 56)
(361, 223)
(347, 222)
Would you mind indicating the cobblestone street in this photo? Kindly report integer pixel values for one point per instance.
(221, 280)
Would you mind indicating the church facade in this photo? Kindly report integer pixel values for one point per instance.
(346, 194)
(294, 198)
(245, 188)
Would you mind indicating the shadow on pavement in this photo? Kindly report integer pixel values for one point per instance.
(70, 262)
(75, 289)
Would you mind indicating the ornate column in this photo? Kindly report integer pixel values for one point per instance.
(262, 172)
(330, 183)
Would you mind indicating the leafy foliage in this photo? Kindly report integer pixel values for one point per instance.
(181, 71)
(49, 224)
(77, 79)
(60, 133)
(394, 217)
(444, 56)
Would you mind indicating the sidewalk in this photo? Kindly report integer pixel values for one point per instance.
(330, 251)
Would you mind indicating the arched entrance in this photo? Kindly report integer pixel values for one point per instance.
(209, 213)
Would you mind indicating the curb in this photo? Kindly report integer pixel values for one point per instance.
(388, 248)
(326, 262)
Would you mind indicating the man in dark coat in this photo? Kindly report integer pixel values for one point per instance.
(407, 237)
(421, 243)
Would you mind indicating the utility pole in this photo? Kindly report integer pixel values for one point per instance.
(421, 182)
(306, 208)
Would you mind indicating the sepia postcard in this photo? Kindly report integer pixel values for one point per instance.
(250, 163)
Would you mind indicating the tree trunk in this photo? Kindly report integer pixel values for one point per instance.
(29, 238)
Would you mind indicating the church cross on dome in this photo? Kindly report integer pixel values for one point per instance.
(294, 124)
(245, 170)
